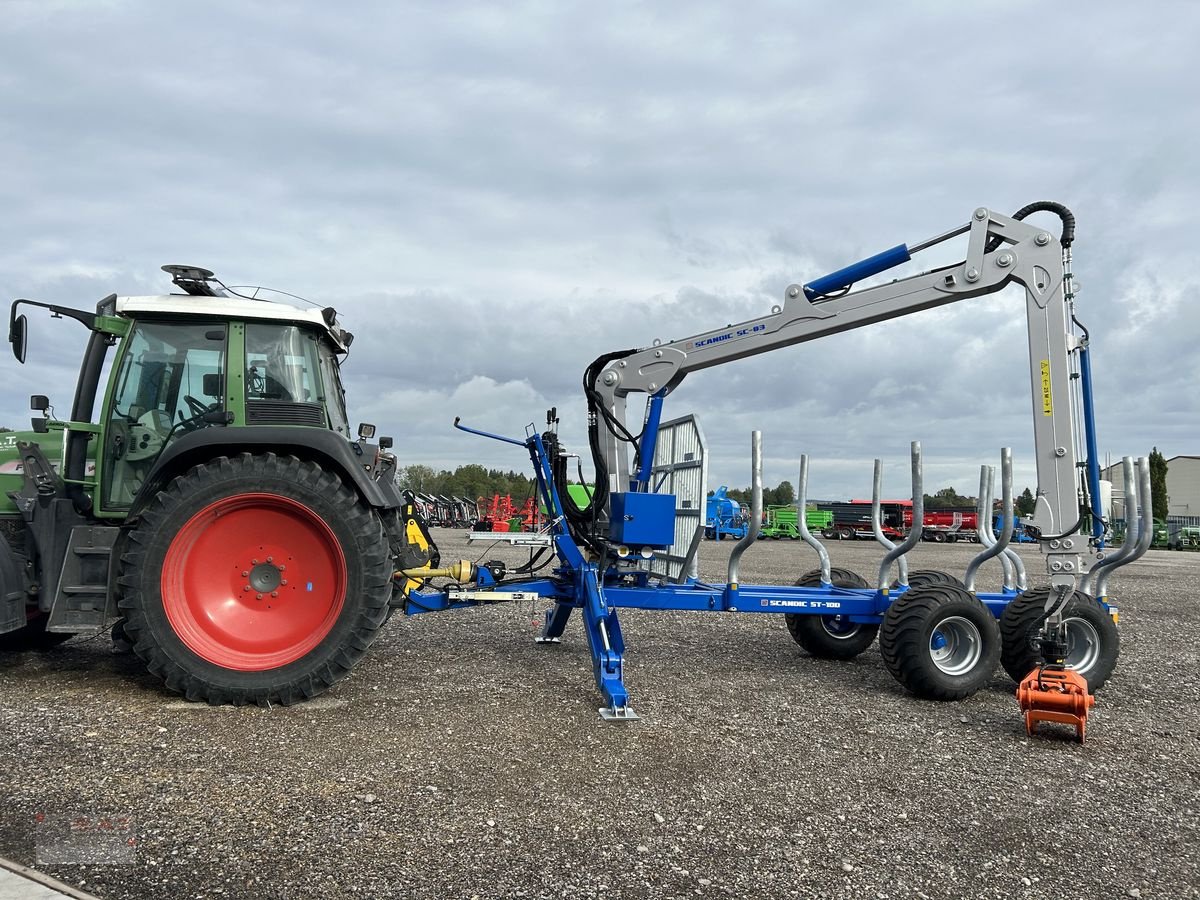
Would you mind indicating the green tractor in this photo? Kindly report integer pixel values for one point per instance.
(206, 498)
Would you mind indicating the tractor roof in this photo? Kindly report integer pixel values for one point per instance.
(234, 308)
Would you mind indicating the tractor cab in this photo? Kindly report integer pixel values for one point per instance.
(181, 366)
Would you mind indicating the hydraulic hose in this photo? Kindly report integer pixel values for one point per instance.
(1067, 217)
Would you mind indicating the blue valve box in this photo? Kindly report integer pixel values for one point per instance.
(642, 520)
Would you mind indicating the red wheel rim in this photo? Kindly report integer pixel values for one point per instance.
(253, 582)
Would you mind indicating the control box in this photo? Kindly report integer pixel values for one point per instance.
(642, 520)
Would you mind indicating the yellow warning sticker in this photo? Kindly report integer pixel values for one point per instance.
(1047, 399)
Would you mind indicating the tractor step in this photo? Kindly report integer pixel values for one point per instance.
(81, 600)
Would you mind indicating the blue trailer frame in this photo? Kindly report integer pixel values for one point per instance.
(579, 583)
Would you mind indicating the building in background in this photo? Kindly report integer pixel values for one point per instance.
(1183, 493)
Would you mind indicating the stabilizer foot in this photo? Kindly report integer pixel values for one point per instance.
(618, 714)
(1055, 695)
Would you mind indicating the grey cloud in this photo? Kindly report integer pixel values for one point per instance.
(494, 197)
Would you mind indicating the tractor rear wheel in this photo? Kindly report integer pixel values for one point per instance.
(255, 579)
(940, 642)
(1093, 642)
(831, 637)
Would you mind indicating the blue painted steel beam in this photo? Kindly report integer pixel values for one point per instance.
(641, 482)
(1089, 433)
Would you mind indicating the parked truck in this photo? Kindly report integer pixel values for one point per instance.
(852, 520)
(949, 525)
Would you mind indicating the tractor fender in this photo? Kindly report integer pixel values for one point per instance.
(329, 450)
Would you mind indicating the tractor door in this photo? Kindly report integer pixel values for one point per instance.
(169, 375)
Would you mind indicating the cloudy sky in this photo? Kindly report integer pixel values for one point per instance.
(492, 195)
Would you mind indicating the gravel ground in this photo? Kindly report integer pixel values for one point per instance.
(463, 760)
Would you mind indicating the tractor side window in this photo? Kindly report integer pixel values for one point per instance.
(169, 376)
(334, 395)
(283, 378)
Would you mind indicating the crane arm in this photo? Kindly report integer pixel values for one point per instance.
(1002, 250)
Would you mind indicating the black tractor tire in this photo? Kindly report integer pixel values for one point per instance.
(216, 617)
(940, 642)
(1093, 641)
(831, 637)
(33, 636)
(925, 577)
(939, 537)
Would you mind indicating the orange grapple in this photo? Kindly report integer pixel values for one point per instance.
(1051, 694)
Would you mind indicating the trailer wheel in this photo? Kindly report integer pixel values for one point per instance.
(1093, 642)
(255, 579)
(939, 537)
(831, 637)
(926, 577)
(845, 534)
(940, 642)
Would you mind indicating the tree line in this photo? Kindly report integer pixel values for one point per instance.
(471, 481)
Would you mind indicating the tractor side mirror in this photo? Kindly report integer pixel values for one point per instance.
(385, 443)
(211, 384)
(18, 336)
(366, 431)
(39, 402)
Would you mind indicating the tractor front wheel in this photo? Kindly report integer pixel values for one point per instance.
(255, 579)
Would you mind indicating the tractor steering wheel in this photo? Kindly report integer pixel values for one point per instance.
(198, 409)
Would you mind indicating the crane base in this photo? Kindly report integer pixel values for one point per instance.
(1055, 695)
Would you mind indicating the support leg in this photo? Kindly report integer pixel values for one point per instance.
(556, 621)
(608, 648)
